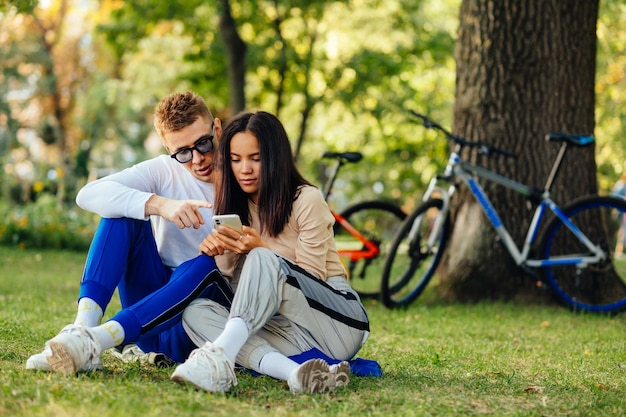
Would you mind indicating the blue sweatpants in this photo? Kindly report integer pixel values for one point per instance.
(123, 255)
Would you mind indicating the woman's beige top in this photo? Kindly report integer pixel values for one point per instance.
(307, 238)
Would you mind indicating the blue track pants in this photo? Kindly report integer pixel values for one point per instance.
(123, 255)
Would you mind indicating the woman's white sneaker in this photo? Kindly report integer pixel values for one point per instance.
(207, 368)
(315, 376)
(340, 373)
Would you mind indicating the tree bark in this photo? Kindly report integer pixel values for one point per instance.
(524, 68)
(236, 48)
(60, 74)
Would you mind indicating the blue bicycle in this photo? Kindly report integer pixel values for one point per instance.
(575, 253)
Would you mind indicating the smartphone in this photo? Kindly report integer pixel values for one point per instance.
(230, 220)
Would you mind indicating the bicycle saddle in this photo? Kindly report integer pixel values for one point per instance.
(578, 140)
(346, 156)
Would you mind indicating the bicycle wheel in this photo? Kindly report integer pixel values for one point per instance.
(411, 261)
(597, 287)
(376, 221)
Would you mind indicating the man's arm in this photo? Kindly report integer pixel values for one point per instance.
(111, 198)
(183, 213)
(135, 193)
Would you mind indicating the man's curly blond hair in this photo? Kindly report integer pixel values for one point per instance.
(178, 111)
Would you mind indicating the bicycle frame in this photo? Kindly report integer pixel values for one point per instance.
(370, 248)
(468, 174)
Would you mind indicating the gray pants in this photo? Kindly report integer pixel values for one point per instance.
(286, 309)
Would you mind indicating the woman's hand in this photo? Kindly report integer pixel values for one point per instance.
(226, 238)
(211, 245)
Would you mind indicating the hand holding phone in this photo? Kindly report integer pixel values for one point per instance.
(230, 220)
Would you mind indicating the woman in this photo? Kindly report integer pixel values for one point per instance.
(291, 290)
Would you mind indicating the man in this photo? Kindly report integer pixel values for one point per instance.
(154, 215)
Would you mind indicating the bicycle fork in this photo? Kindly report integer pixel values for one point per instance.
(433, 236)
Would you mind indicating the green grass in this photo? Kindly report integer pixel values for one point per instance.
(438, 360)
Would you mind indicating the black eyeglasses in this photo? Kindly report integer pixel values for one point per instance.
(202, 145)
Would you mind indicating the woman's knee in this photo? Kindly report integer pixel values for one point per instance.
(261, 264)
(204, 307)
(260, 253)
(204, 319)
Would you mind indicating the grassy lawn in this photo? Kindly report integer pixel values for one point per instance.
(438, 360)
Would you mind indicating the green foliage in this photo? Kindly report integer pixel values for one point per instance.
(44, 224)
(489, 359)
(353, 68)
(22, 6)
(610, 86)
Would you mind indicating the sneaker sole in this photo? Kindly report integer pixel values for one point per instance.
(61, 360)
(317, 377)
(342, 374)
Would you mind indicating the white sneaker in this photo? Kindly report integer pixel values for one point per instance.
(207, 368)
(315, 376)
(133, 353)
(39, 361)
(75, 349)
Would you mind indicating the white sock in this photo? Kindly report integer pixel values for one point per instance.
(110, 334)
(277, 365)
(89, 313)
(233, 337)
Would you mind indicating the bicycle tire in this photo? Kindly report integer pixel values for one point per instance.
(411, 265)
(587, 291)
(376, 220)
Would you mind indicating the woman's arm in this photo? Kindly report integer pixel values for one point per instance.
(315, 231)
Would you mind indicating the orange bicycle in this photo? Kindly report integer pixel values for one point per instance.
(363, 232)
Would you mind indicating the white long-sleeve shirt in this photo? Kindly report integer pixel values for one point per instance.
(124, 194)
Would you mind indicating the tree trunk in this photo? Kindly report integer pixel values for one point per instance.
(524, 68)
(60, 84)
(236, 48)
(309, 100)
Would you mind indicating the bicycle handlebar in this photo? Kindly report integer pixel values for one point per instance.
(483, 148)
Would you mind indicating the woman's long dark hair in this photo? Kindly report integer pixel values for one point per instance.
(280, 179)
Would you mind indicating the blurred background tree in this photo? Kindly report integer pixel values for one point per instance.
(340, 75)
(79, 81)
